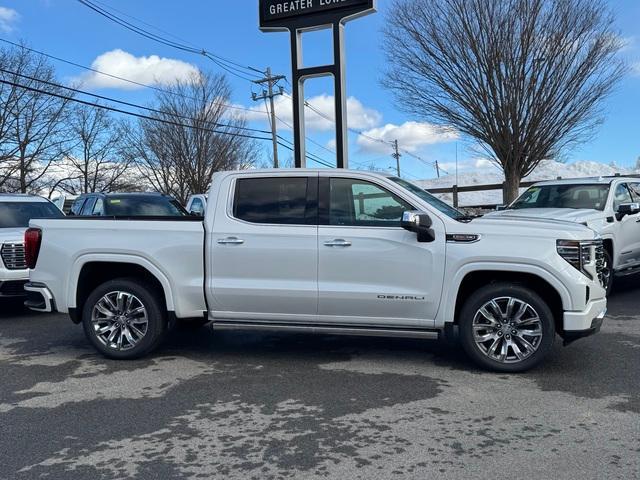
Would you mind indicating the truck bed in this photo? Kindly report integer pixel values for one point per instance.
(172, 248)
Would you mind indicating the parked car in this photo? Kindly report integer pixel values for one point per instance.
(15, 213)
(324, 251)
(608, 205)
(197, 204)
(127, 205)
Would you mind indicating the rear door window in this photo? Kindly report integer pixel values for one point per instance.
(275, 200)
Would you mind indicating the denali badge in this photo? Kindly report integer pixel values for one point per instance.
(400, 297)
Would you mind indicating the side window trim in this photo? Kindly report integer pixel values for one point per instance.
(311, 210)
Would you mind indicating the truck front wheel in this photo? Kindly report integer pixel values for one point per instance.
(506, 327)
(124, 319)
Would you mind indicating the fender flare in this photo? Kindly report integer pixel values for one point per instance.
(451, 294)
(82, 260)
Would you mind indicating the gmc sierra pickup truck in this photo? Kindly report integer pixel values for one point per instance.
(325, 251)
(608, 205)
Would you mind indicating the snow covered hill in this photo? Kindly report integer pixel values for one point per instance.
(548, 170)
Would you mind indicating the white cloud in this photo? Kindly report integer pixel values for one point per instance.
(8, 18)
(635, 68)
(410, 135)
(151, 70)
(358, 116)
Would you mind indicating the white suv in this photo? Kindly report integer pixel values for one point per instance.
(15, 213)
(608, 205)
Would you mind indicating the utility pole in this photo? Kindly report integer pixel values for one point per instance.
(397, 156)
(269, 93)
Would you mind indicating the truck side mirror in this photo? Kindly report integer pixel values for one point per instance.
(627, 209)
(420, 223)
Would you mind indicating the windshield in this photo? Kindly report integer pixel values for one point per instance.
(18, 214)
(143, 206)
(430, 199)
(577, 196)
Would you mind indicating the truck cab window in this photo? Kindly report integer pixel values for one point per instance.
(276, 200)
(360, 203)
(88, 206)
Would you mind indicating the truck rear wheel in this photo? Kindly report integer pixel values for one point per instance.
(506, 327)
(124, 319)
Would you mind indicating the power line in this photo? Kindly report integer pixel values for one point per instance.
(129, 104)
(229, 66)
(126, 80)
(126, 112)
(378, 140)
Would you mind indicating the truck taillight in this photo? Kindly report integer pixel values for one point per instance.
(32, 240)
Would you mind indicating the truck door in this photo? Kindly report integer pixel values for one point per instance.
(264, 254)
(371, 269)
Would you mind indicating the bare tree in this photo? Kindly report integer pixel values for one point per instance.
(525, 78)
(195, 136)
(33, 120)
(96, 161)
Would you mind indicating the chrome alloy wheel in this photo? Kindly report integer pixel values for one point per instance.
(507, 330)
(119, 320)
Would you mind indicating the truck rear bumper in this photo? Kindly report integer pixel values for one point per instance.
(582, 324)
(39, 298)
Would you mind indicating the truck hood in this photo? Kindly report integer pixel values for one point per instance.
(531, 227)
(12, 234)
(567, 214)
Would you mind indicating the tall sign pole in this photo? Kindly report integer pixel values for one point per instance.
(297, 17)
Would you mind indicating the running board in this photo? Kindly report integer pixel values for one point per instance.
(627, 271)
(327, 329)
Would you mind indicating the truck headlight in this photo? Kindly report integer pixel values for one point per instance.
(583, 255)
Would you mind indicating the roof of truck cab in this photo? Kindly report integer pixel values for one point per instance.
(21, 197)
(587, 181)
(273, 171)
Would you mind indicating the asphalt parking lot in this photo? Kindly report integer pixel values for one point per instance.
(238, 405)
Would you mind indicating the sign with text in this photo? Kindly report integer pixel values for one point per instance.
(287, 14)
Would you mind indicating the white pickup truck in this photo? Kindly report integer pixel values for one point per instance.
(608, 205)
(325, 251)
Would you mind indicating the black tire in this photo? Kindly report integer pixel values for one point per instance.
(521, 293)
(608, 275)
(156, 317)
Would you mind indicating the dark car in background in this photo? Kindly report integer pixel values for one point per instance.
(127, 205)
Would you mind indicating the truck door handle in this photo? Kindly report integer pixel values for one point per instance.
(338, 242)
(231, 241)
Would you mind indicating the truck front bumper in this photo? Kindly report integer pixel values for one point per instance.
(39, 298)
(582, 324)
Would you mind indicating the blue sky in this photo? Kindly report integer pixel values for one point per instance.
(67, 29)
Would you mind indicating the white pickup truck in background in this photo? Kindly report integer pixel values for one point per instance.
(324, 251)
(608, 205)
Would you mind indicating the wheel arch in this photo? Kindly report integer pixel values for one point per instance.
(94, 271)
(556, 295)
